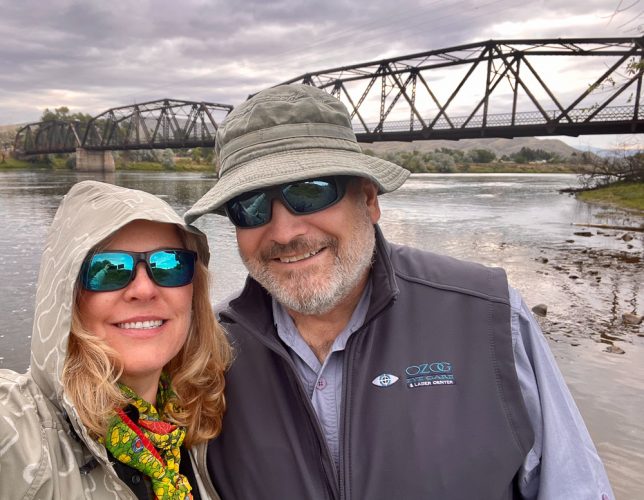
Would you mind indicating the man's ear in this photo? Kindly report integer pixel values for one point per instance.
(370, 191)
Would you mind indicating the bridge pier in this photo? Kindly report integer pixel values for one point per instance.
(88, 160)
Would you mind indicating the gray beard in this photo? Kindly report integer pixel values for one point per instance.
(298, 292)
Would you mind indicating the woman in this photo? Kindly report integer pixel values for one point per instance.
(127, 359)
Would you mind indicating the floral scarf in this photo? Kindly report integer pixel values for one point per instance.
(138, 436)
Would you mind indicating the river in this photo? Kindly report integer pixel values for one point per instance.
(517, 221)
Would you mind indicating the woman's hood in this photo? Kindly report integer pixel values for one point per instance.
(90, 212)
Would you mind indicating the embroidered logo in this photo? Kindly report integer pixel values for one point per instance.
(429, 374)
(385, 380)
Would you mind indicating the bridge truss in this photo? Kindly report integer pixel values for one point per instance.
(497, 88)
(166, 123)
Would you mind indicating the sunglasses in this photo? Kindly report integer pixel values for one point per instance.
(253, 209)
(115, 269)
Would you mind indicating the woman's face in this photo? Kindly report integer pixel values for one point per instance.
(146, 324)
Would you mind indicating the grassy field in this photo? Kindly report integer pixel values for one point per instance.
(625, 195)
(13, 164)
(182, 165)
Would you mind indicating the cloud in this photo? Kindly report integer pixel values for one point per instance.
(91, 56)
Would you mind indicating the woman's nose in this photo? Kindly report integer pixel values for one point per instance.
(141, 287)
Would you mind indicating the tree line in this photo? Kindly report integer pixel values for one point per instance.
(446, 160)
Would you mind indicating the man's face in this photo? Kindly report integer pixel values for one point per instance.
(310, 263)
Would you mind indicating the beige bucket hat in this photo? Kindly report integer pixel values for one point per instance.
(289, 133)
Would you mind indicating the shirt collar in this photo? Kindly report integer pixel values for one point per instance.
(289, 334)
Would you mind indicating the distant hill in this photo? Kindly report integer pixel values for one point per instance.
(499, 146)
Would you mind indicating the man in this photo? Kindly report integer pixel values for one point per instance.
(366, 370)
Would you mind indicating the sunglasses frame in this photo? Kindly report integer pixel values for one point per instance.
(137, 257)
(277, 192)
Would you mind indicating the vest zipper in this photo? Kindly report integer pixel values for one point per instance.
(326, 462)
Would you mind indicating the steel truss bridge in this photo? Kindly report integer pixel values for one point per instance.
(497, 88)
(166, 123)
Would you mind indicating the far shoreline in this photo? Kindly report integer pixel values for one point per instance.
(626, 196)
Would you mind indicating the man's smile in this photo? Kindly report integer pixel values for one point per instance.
(297, 258)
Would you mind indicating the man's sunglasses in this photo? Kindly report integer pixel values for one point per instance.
(253, 209)
(113, 270)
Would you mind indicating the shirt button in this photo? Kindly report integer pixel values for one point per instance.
(136, 479)
(321, 384)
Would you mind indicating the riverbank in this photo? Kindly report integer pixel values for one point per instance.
(182, 164)
(628, 195)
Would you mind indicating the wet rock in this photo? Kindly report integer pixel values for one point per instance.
(583, 233)
(570, 241)
(543, 260)
(613, 349)
(632, 319)
(573, 277)
(540, 310)
(627, 237)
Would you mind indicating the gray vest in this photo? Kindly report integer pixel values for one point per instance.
(431, 409)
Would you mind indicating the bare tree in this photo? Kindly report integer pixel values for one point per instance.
(624, 165)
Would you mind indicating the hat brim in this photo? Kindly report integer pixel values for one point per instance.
(288, 166)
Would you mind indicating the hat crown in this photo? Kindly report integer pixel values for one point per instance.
(285, 134)
(286, 104)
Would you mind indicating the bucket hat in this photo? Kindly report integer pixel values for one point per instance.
(284, 134)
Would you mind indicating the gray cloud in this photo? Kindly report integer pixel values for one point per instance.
(91, 55)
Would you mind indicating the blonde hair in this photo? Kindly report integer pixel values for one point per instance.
(197, 371)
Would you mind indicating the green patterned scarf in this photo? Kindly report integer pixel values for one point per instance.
(138, 437)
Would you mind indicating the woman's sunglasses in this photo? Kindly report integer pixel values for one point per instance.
(253, 209)
(113, 270)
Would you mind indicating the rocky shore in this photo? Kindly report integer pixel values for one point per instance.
(604, 288)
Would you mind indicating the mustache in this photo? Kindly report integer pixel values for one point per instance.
(297, 246)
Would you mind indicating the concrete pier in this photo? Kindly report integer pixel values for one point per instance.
(94, 161)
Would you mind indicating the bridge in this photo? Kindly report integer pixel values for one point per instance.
(496, 88)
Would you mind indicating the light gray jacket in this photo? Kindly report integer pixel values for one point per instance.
(45, 450)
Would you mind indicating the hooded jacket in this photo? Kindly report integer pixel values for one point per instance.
(45, 450)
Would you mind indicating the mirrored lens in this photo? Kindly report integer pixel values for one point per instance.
(172, 267)
(250, 210)
(301, 197)
(108, 271)
(311, 195)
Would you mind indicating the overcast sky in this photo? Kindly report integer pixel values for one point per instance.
(91, 56)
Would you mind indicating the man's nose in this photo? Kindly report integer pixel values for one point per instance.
(285, 225)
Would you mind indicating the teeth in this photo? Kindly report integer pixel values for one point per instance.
(287, 260)
(141, 325)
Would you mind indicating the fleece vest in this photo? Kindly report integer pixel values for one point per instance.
(431, 404)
